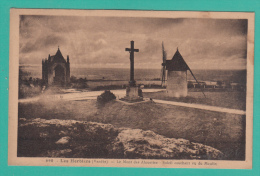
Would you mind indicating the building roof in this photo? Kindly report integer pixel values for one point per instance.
(177, 63)
(57, 57)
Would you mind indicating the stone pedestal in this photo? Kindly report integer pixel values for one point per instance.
(133, 93)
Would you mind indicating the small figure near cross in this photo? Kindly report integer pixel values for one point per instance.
(131, 51)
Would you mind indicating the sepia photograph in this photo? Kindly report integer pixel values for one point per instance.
(108, 88)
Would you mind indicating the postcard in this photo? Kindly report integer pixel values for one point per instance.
(121, 88)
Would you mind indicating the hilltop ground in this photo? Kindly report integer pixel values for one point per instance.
(219, 130)
(214, 97)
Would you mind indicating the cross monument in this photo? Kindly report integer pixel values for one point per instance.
(131, 51)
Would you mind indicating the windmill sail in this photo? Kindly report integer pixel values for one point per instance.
(163, 70)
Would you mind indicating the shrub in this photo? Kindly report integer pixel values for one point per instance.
(105, 97)
(29, 91)
(78, 83)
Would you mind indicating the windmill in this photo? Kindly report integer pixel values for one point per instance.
(177, 75)
(163, 70)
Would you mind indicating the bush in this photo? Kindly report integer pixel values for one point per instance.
(79, 85)
(105, 97)
(29, 91)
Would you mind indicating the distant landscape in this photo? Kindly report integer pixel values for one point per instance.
(120, 76)
(238, 76)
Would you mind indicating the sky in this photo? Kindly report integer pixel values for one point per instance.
(100, 42)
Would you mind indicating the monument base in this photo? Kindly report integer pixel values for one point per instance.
(133, 93)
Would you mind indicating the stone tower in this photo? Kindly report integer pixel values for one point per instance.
(56, 70)
(177, 76)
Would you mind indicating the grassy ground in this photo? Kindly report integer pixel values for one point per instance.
(231, 99)
(220, 130)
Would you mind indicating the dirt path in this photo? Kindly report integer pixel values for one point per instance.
(200, 106)
(76, 95)
(73, 96)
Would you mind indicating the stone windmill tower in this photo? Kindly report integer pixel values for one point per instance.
(177, 84)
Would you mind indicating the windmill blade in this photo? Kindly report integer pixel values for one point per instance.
(162, 48)
(196, 81)
(164, 54)
(163, 64)
(162, 76)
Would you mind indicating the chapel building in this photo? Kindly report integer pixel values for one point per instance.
(56, 70)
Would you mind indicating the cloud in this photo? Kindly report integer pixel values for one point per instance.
(42, 42)
(102, 40)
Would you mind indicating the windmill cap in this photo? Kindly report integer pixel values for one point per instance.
(177, 63)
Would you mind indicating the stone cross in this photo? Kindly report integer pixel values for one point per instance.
(131, 51)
